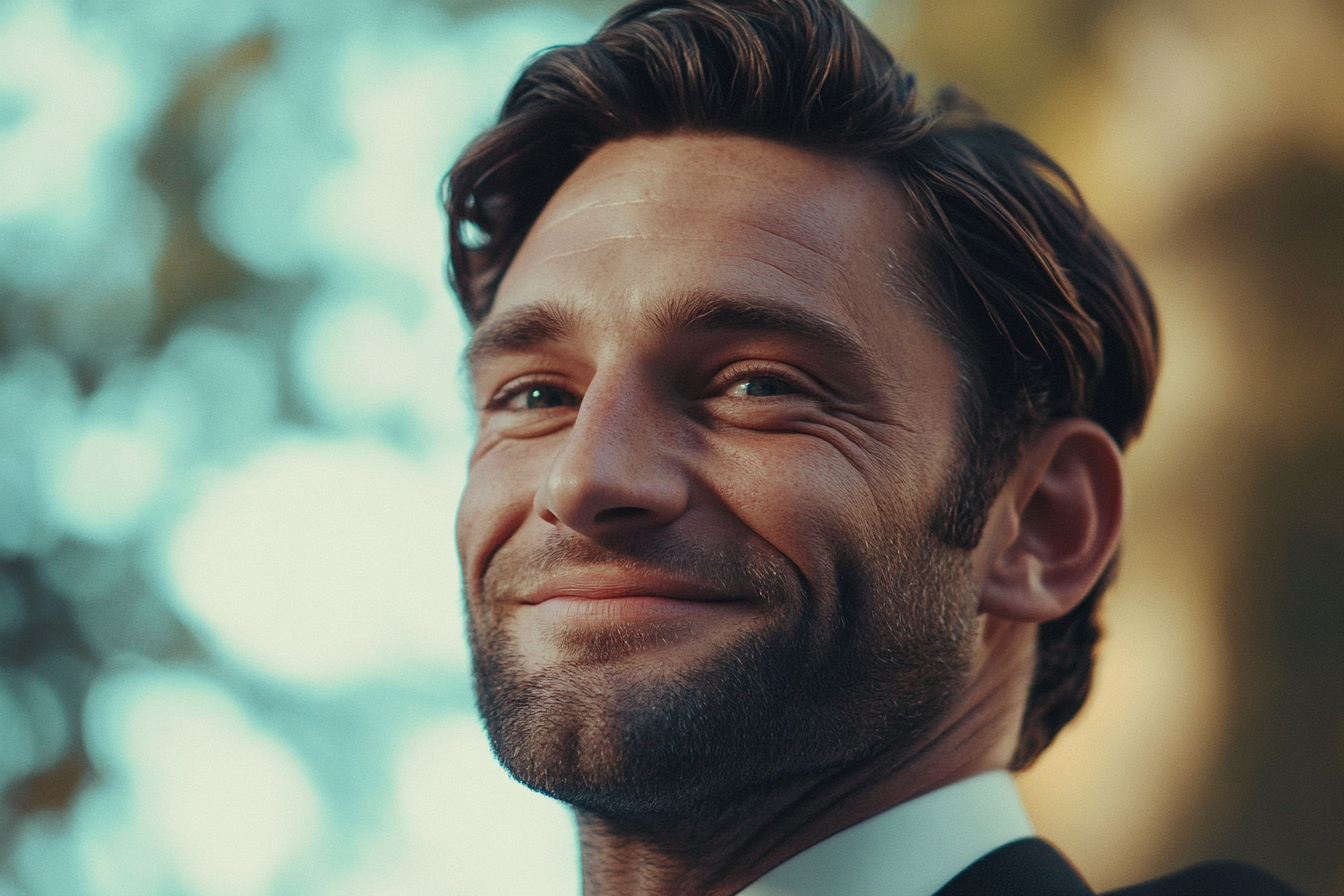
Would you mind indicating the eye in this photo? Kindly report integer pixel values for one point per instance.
(535, 396)
(761, 385)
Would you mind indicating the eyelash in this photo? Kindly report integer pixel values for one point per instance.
(745, 370)
(730, 376)
(521, 386)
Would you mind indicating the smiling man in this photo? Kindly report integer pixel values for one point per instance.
(798, 476)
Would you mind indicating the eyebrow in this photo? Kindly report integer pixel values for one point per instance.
(549, 321)
(521, 329)
(707, 312)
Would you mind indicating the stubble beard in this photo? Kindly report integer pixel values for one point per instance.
(830, 681)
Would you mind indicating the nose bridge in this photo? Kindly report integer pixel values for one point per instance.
(618, 464)
(612, 418)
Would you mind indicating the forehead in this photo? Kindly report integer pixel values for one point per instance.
(649, 218)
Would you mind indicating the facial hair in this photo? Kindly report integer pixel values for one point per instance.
(836, 673)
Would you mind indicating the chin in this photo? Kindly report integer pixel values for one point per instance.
(640, 729)
(643, 748)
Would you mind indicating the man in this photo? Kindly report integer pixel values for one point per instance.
(797, 479)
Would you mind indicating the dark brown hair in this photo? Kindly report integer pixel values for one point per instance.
(1047, 315)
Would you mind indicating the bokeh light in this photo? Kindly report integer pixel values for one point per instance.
(232, 441)
(219, 805)
(233, 435)
(324, 563)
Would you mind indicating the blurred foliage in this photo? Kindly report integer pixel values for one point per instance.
(1271, 222)
(192, 270)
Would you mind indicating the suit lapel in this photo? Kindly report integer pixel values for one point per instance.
(1022, 868)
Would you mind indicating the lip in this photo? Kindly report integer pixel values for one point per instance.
(603, 587)
(646, 611)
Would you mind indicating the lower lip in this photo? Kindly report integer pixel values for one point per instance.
(632, 609)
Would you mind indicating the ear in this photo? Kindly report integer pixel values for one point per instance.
(1055, 524)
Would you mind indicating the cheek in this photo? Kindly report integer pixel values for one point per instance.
(496, 502)
(804, 496)
(795, 493)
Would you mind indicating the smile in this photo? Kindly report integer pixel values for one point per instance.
(599, 587)
(597, 599)
(631, 608)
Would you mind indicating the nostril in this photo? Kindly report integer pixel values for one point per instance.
(597, 486)
(617, 514)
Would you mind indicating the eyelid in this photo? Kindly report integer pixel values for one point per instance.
(520, 384)
(738, 371)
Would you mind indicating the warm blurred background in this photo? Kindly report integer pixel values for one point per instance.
(232, 436)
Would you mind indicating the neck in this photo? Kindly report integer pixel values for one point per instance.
(718, 852)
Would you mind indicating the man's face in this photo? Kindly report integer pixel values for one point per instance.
(694, 536)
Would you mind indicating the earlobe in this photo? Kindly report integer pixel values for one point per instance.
(1055, 524)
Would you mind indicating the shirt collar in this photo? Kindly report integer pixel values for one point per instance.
(909, 850)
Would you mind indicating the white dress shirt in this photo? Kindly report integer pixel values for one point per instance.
(909, 850)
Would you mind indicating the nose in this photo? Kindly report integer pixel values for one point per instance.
(618, 469)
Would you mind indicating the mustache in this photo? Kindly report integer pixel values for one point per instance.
(739, 568)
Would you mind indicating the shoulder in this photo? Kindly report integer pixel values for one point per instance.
(1212, 879)
(1029, 867)
(1033, 867)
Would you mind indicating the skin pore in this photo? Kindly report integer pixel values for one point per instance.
(704, 604)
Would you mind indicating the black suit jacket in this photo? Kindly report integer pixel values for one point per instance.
(1035, 868)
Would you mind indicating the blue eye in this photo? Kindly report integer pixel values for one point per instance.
(763, 386)
(545, 396)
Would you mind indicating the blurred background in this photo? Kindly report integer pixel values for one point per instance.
(232, 436)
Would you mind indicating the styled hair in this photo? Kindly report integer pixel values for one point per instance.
(1046, 314)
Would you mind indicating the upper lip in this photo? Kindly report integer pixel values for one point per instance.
(597, 585)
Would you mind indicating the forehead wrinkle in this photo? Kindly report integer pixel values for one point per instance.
(663, 206)
(783, 236)
(752, 259)
(556, 256)
(760, 257)
(551, 223)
